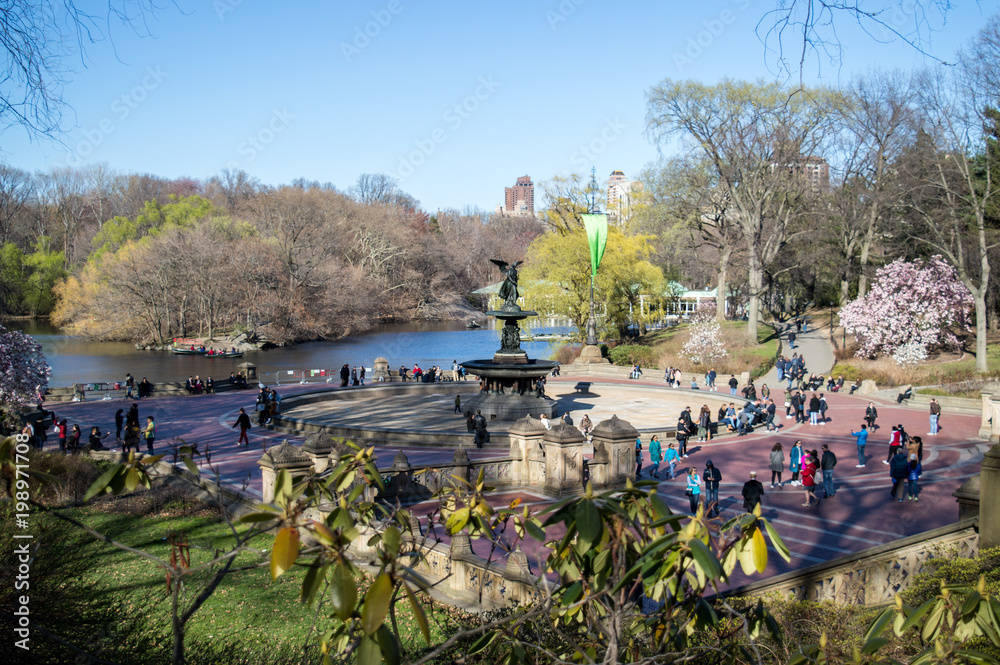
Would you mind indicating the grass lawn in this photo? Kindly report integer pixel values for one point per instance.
(668, 342)
(249, 618)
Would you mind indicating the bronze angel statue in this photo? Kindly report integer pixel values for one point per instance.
(508, 290)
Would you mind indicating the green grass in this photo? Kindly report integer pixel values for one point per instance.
(249, 618)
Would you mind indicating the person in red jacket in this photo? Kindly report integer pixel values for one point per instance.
(808, 478)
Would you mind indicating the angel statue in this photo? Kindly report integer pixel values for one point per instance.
(508, 290)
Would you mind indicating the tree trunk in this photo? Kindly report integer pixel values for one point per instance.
(866, 246)
(980, 300)
(720, 294)
(755, 275)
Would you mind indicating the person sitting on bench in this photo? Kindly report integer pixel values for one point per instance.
(906, 394)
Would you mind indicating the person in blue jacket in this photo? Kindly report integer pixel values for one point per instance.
(655, 455)
(673, 459)
(862, 440)
(912, 477)
(795, 463)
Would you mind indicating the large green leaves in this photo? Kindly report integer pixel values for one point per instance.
(376, 603)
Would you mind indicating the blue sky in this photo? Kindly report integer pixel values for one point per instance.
(456, 100)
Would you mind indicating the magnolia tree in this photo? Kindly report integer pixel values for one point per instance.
(24, 374)
(909, 310)
(705, 344)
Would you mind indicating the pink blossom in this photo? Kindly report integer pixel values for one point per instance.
(911, 304)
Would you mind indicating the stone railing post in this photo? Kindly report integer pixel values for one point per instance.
(989, 499)
(617, 438)
(401, 480)
(461, 465)
(994, 418)
(563, 446)
(380, 371)
(518, 573)
(318, 447)
(525, 437)
(868, 386)
(284, 456)
(459, 552)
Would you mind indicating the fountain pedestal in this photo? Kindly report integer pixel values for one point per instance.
(509, 389)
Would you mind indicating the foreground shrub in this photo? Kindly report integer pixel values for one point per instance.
(632, 354)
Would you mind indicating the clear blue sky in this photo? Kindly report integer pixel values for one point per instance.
(454, 99)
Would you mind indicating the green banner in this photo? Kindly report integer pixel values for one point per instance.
(597, 236)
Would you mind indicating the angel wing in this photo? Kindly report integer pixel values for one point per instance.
(500, 263)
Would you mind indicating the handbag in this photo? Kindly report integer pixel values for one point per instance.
(689, 492)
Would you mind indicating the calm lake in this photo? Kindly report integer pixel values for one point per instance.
(76, 360)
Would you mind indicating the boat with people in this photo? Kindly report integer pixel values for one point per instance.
(473, 324)
(192, 351)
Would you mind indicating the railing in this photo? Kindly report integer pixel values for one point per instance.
(301, 376)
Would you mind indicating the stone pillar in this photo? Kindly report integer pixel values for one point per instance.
(321, 449)
(563, 446)
(967, 497)
(617, 438)
(401, 480)
(525, 436)
(518, 573)
(995, 417)
(599, 466)
(985, 423)
(591, 355)
(868, 386)
(744, 378)
(989, 501)
(461, 465)
(284, 456)
(380, 371)
(461, 555)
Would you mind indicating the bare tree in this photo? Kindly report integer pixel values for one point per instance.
(15, 192)
(38, 39)
(761, 142)
(374, 188)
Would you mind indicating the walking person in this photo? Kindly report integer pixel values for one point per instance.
(770, 410)
(777, 464)
(638, 457)
(753, 491)
(916, 447)
(795, 456)
(814, 410)
(712, 477)
(822, 409)
(935, 415)
(480, 435)
(809, 479)
(149, 434)
(704, 423)
(129, 386)
(655, 455)
(733, 384)
(681, 437)
(895, 442)
(826, 464)
(243, 422)
(61, 431)
(861, 439)
(871, 415)
(458, 404)
(73, 442)
(899, 469)
(913, 475)
(693, 490)
(119, 423)
(672, 459)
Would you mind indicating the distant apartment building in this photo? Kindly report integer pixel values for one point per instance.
(520, 199)
(816, 172)
(619, 192)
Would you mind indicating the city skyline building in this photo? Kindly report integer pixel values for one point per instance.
(520, 199)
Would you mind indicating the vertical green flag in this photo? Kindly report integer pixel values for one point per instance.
(597, 236)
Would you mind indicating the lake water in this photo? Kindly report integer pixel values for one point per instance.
(75, 360)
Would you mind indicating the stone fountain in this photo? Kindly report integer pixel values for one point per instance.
(509, 381)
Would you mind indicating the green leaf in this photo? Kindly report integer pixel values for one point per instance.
(457, 520)
(418, 613)
(151, 460)
(970, 602)
(534, 530)
(285, 551)
(933, 622)
(191, 466)
(258, 517)
(916, 616)
(588, 522)
(343, 592)
(312, 582)
(132, 479)
(369, 652)
(880, 623)
(391, 539)
(101, 483)
(484, 641)
(873, 645)
(572, 593)
(776, 540)
(376, 603)
(705, 559)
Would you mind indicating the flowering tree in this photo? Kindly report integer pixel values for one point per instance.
(24, 374)
(705, 344)
(909, 310)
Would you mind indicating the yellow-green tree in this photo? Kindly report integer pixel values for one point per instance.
(556, 278)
